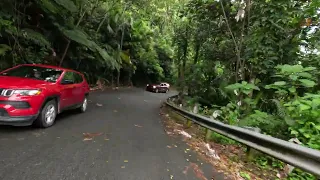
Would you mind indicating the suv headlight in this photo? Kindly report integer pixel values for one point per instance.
(154, 86)
(27, 92)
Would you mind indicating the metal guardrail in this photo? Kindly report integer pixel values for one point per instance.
(299, 156)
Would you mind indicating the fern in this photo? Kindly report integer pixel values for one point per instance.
(83, 39)
(79, 37)
(48, 5)
(109, 60)
(281, 112)
(67, 4)
(57, 5)
(35, 37)
(4, 48)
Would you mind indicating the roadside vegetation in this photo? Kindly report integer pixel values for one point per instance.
(254, 62)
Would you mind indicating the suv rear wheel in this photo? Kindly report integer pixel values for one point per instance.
(47, 115)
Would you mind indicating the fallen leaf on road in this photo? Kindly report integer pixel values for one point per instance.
(106, 139)
(125, 161)
(107, 161)
(90, 136)
(168, 170)
(115, 111)
(87, 139)
(137, 126)
(198, 172)
(123, 167)
(37, 134)
(169, 146)
(175, 146)
(185, 134)
(99, 104)
(171, 177)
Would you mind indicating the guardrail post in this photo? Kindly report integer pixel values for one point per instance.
(195, 110)
(250, 151)
(208, 135)
(189, 123)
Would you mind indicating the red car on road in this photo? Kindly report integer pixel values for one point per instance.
(35, 94)
(162, 87)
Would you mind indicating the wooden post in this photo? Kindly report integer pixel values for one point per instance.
(189, 123)
(251, 153)
(208, 135)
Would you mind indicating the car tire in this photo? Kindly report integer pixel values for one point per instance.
(47, 115)
(167, 90)
(84, 105)
(157, 90)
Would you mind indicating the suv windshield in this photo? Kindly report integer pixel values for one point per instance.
(34, 72)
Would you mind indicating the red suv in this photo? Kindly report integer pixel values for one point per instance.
(35, 94)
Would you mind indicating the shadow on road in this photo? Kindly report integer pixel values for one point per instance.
(60, 117)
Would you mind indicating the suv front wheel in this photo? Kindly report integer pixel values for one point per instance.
(84, 105)
(47, 115)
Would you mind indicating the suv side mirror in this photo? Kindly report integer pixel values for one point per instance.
(66, 81)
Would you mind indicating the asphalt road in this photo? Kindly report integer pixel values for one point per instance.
(133, 145)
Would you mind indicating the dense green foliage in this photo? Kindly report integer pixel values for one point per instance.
(255, 62)
(113, 40)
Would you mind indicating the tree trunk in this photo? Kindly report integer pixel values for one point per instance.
(184, 59)
(195, 61)
(68, 41)
(65, 52)
(112, 83)
(129, 78)
(118, 78)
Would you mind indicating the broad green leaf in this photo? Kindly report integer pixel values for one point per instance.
(306, 135)
(280, 83)
(309, 68)
(304, 107)
(80, 37)
(292, 89)
(293, 77)
(246, 91)
(307, 83)
(305, 75)
(294, 132)
(233, 86)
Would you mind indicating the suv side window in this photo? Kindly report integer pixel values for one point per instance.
(68, 78)
(78, 78)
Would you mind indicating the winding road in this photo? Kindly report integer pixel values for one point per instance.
(129, 144)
